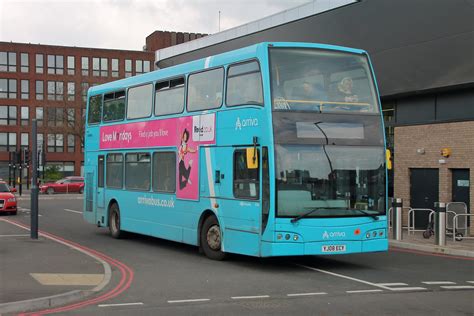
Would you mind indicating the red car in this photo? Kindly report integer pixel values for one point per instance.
(66, 185)
(7, 200)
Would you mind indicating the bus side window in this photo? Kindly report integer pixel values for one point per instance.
(114, 106)
(95, 109)
(139, 101)
(137, 171)
(164, 172)
(114, 171)
(244, 84)
(205, 90)
(169, 96)
(246, 181)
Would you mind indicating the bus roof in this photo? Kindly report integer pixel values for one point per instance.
(227, 57)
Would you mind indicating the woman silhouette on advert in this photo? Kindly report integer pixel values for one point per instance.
(183, 172)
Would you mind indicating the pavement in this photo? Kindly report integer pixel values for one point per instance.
(50, 272)
(43, 273)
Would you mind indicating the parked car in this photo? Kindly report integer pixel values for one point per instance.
(7, 199)
(66, 185)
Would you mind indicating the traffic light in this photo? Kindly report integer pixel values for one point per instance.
(26, 156)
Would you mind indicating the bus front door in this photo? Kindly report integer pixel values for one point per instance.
(100, 210)
(240, 203)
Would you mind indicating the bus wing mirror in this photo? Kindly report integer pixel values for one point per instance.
(252, 158)
(388, 156)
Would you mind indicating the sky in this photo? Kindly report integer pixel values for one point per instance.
(124, 24)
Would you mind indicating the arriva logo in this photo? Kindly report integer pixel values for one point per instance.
(249, 122)
(327, 235)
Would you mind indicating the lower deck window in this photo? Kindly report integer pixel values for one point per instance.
(246, 181)
(137, 171)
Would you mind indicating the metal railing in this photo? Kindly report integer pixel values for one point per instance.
(411, 219)
(389, 217)
(459, 236)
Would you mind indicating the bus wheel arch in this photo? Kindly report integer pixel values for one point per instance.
(210, 236)
(113, 216)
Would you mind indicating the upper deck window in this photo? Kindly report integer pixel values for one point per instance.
(140, 100)
(205, 90)
(169, 96)
(114, 106)
(305, 79)
(95, 109)
(244, 84)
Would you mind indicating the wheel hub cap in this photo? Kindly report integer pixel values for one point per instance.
(214, 237)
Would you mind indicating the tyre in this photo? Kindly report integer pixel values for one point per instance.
(459, 236)
(211, 239)
(114, 222)
(50, 191)
(427, 234)
(81, 190)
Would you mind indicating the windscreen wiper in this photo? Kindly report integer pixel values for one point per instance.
(374, 216)
(297, 218)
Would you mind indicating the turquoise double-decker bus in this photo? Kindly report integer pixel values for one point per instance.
(275, 149)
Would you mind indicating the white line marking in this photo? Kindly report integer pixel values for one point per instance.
(123, 304)
(346, 277)
(438, 282)
(470, 282)
(307, 294)
(364, 291)
(393, 284)
(189, 301)
(457, 287)
(249, 297)
(15, 235)
(72, 211)
(415, 288)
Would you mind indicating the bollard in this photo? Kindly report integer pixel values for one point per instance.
(397, 218)
(440, 223)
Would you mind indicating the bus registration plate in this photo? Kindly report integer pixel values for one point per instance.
(334, 248)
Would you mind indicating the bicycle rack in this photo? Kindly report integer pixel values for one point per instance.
(455, 224)
(411, 218)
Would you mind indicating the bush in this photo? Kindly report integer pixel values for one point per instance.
(52, 173)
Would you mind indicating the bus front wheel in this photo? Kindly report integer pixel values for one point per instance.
(211, 239)
(114, 222)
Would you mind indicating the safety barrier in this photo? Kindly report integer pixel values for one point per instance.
(389, 217)
(411, 218)
(457, 235)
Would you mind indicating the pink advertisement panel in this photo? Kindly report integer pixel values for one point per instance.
(185, 133)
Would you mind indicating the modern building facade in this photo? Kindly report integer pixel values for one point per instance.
(50, 83)
(422, 54)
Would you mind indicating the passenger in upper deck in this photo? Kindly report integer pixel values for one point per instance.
(344, 91)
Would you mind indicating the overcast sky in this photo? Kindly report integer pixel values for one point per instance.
(123, 24)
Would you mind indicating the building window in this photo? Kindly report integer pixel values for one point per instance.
(56, 64)
(39, 90)
(55, 117)
(114, 173)
(8, 89)
(55, 90)
(137, 171)
(25, 115)
(84, 88)
(96, 66)
(104, 67)
(205, 90)
(24, 140)
(138, 66)
(71, 91)
(55, 143)
(8, 61)
(39, 115)
(39, 63)
(71, 117)
(115, 67)
(139, 101)
(25, 64)
(7, 141)
(70, 65)
(25, 89)
(8, 115)
(146, 66)
(70, 143)
(85, 66)
(164, 172)
(128, 67)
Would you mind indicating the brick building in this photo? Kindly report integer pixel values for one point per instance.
(50, 83)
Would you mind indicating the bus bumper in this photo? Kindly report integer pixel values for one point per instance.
(340, 247)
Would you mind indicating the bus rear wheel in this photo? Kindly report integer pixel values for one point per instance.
(211, 239)
(114, 222)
